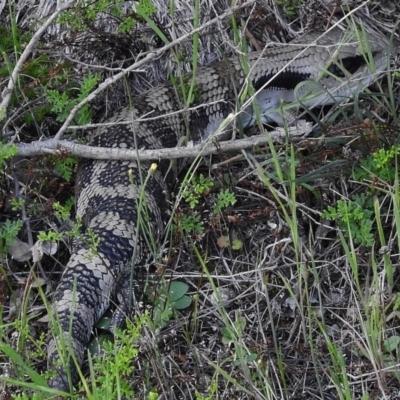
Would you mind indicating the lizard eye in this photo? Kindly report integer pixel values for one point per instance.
(350, 64)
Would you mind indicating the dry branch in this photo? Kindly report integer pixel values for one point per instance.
(55, 146)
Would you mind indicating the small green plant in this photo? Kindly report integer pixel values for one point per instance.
(191, 224)
(64, 211)
(183, 85)
(6, 151)
(196, 188)
(37, 73)
(381, 164)
(224, 241)
(290, 7)
(39, 348)
(354, 217)
(237, 244)
(92, 240)
(11, 40)
(225, 199)
(63, 103)
(81, 17)
(8, 232)
(396, 305)
(392, 345)
(212, 390)
(114, 367)
(64, 166)
(49, 236)
(168, 298)
(232, 335)
(146, 7)
(16, 204)
(384, 157)
(153, 395)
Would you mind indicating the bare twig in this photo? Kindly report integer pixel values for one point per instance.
(55, 146)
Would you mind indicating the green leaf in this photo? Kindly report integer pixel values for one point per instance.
(240, 323)
(177, 290)
(237, 244)
(167, 314)
(96, 346)
(248, 359)
(228, 333)
(183, 302)
(251, 357)
(104, 323)
(392, 343)
(153, 395)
